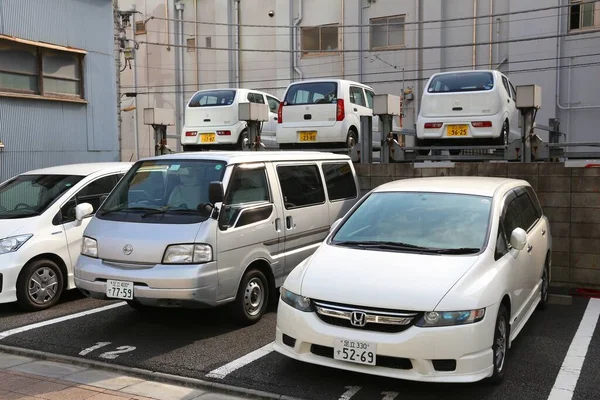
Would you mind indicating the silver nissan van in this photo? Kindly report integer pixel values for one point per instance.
(210, 228)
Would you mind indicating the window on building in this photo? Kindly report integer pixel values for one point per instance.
(584, 15)
(320, 39)
(32, 70)
(387, 32)
(191, 45)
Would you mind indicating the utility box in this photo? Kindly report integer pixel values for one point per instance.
(253, 112)
(386, 104)
(529, 96)
(159, 116)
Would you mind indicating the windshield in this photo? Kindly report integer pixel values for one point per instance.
(30, 195)
(163, 191)
(311, 93)
(213, 98)
(461, 82)
(418, 220)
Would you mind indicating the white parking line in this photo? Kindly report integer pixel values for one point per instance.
(226, 369)
(567, 378)
(57, 320)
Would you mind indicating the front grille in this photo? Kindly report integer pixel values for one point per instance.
(370, 319)
(381, 361)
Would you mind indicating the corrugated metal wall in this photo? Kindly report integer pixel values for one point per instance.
(40, 133)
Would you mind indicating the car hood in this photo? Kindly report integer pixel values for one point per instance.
(11, 227)
(382, 279)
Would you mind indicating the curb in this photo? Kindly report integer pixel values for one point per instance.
(146, 374)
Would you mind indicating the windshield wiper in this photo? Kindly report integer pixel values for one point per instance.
(460, 250)
(105, 212)
(374, 244)
(166, 209)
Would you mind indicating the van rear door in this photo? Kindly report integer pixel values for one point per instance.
(461, 94)
(310, 104)
(212, 108)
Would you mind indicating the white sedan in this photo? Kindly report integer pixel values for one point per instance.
(424, 279)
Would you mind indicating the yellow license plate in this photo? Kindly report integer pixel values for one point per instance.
(308, 136)
(208, 138)
(457, 130)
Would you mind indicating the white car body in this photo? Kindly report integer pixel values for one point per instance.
(217, 124)
(52, 238)
(464, 99)
(325, 125)
(340, 280)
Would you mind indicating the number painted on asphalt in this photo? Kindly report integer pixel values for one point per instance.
(350, 392)
(389, 395)
(95, 347)
(109, 355)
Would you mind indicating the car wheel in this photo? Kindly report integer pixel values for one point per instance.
(500, 345)
(503, 139)
(252, 298)
(351, 139)
(543, 304)
(243, 143)
(40, 285)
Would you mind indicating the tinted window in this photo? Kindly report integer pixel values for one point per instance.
(536, 203)
(213, 98)
(340, 181)
(357, 96)
(248, 187)
(506, 86)
(30, 195)
(513, 90)
(92, 194)
(528, 213)
(301, 186)
(511, 217)
(273, 104)
(430, 220)
(461, 82)
(501, 245)
(256, 98)
(370, 96)
(311, 93)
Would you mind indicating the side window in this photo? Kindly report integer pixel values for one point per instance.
(340, 181)
(513, 90)
(301, 186)
(273, 104)
(256, 98)
(501, 244)
(526, 208)
(505, 83)
(248, 188)
(357, 96)
(93, 193)
(536, 202)
(511, 218)
(370, 97)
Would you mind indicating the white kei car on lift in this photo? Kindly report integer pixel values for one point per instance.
(425, 279)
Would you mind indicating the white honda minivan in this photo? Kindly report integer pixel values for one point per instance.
(463, 108)
(324, 113)
(211, 119)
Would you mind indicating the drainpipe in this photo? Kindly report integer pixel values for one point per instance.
(419, 55)
(292, 29)
(180, 75)
(296, 28)
(474, 34)
(558, 67)
(342, 44)
(135, 88)
(197, 45)
(491, 23)
(498, 39)
(167, 27)
(238, 60)
(230, 41)
(361, 9)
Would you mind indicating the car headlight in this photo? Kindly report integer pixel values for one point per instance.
(13, 243)
(298, 302)
(450, 318)
(89, 247)
(187, 254)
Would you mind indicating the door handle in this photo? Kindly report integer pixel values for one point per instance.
(529, 248)
(543, 232)
(355, 109)
(277, 222)
(289, 222)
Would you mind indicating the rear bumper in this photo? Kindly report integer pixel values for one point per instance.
(493, 132)
(325, 134)
(235, 130)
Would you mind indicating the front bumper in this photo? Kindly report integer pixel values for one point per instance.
(468, 345)
(192, 286)
(10, 268)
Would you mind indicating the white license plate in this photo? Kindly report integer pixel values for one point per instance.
(119, 290)
(355, 351)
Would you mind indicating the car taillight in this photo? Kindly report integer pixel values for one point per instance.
(433, 125)
(280, 113)
(340, 112)
(482, 124)
(191, 133)
(224, 133)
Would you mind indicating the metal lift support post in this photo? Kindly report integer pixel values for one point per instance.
(254, 114)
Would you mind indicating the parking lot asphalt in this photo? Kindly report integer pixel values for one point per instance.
(206, 345)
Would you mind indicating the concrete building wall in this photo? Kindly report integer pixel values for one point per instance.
(407, 67)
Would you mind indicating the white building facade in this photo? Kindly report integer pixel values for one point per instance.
(391, 45)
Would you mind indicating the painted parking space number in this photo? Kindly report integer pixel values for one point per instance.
(109, 355)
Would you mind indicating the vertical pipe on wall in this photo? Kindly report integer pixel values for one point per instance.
(238, 38)
(361, 9)
(292, 29)
(342, 42)
(167, 27)
(296, 29)
(135, 101)
(230, 42)
(419, 54)
(197, 43)
(180, 76)
(491, 23)
(474, 34)
(498, 40)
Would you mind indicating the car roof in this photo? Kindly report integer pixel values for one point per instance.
(475, 185)
(466, 71)
(237, 157)
(235, 89)
(80, 169)
(330, 80)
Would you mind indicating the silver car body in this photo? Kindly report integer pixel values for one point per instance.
(273, 235)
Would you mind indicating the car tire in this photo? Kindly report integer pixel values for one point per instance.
(252, 298)
(500, 345)
(240, 143)
(502, 140)
(351, 138)
(39, 285)
(543, 304)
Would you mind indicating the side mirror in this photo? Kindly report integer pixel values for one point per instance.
(215, 192)
(518, 239)
(83, 210)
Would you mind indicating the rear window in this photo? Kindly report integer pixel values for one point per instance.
(311, 93)
(461, 82)
(213, 98)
